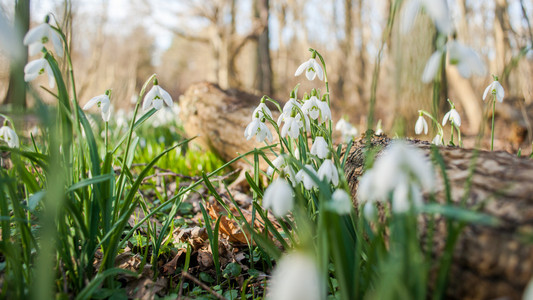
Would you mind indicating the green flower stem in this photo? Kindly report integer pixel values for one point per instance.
(106, 134)
(122, 176)
(492, 126)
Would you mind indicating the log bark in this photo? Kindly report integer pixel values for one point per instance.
(488, 262)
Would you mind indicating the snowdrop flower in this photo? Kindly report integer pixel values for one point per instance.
(437, 140)
(278, 162)
(103, 103)
(312, 69)
(328, 171)
(315, 108)
(305, 178)
(453, 116)
(320, 147)
(379, 129)
(259, 129)
(421, 125)
(293, 124)
(465, 59)
(402, 170)
(296, 276)
(347, 130)
(156, 96)
(261, 110)
(436, 9)
(38, 36)
(495, 88)
(278, 197)
(37, 67)
(432, 66)
(9, 136)
(342, 203)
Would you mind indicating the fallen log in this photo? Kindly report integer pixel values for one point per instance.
(488, 262)
(218, 117)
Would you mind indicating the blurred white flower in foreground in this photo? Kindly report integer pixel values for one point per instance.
(320, 147)
(38, 36)
(495, 88)
(421, 125)
(156, 96)
(9, 136)
(278, 197)
(437, 10)
(464, 58)
(342, 202)
(296, 277)
(328, 171)
(258, 128)
(312, 69)
(37, 67)
(348, 131)
(103, 103)
(305, 178)
(403, 171)
(467, 60)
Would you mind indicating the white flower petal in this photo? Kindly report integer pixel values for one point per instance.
(278, 197)
(301, 68)
(149, 97)
(432, 66)
(36, 34)
(166, 97)
(56, 42)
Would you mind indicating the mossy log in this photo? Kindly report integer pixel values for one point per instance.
(489, 262)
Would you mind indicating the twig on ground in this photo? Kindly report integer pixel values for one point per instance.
(201, 284)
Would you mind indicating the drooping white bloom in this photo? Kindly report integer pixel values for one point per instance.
(38, 36)
(37, 67)
(466, 60)
(312, 69)
(155, 97)
(328, 171)
(278, 162)
(437, 140)
(342, 203)
(9, 136)
(288, 110)
(453, 116)
(403, 171)
(103, 103)
(259, 129)
(315, 108)
(296, 277)
(278, 197)
(305, 178)
(293, 124)
(320, 147)
(261, 110)
(379, 129)
(421, 125)
(432, 66)
(436, 9)
(348, 131)
(495, 88)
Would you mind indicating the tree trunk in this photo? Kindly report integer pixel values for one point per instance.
(410, 53)
(16, 92)
(263, 81)
(488, 262)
